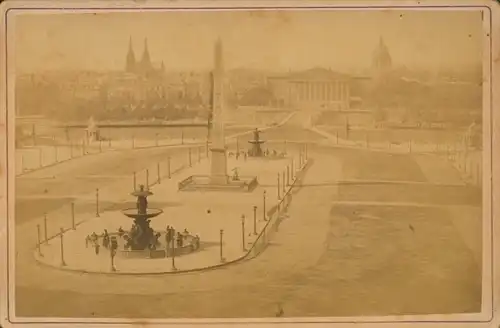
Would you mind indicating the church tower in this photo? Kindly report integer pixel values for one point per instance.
(146, 65)
(130, 65)
(382, 61)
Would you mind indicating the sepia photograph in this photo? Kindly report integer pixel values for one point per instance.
(259, 163)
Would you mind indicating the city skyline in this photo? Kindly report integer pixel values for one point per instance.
(286, 40)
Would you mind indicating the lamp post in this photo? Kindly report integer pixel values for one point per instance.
(287, 175)
(168, 167)
(97, 202)
(158, 172)
(45, 228)
(39, 233)
(189, 155)
(264, 216)
(243, 232)
(133, 142)
(63, 263)
(254, 220)
(173, 250)
(73, 224)
(283, 184)
(147, 178)
(114, 246)
(279, 190)
(222, 260)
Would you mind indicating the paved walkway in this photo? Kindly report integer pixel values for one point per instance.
(189, 211)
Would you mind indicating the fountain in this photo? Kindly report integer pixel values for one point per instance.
(141, 235)
(256, 150)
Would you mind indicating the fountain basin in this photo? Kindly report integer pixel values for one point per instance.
(134, 214)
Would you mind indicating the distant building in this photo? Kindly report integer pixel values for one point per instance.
(316, 88)
(143, 67)
(381, 60)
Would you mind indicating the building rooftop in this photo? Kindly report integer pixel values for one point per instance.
(317, 73)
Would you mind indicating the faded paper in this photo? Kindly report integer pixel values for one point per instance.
(220, 163)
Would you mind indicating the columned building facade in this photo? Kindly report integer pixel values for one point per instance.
(312, 89)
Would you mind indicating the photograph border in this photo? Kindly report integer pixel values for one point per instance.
(489, 156)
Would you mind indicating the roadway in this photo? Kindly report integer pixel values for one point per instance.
(352, 259)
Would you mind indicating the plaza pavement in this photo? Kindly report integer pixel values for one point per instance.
(260, 282)
(295, 236)
(323, 277)
(468, 163)
(29, 159)
(187, 210)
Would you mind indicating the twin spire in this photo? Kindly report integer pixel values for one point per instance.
(145, 65)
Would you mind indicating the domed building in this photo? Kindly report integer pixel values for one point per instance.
(381, 60)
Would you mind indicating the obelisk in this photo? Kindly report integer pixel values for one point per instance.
(218, 170)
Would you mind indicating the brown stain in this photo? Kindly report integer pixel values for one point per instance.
(284, 17)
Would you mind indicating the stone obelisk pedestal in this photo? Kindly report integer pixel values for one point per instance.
(218, 169)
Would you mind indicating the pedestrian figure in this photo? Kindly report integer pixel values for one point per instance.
(114, 244)
(96, 246)
(179, 239)
(280, 311)
(168, 235)
(128, 242)
(105, 239)
(87, 240)
(120, 232)
(197, 242)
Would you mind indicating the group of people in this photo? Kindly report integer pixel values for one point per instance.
(108, 242)
(171, 236)
(180, 238)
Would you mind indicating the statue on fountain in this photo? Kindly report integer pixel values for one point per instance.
(141, 236)
(142, 201)
(256, 150)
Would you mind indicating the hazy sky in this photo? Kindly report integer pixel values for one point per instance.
(256, 39)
